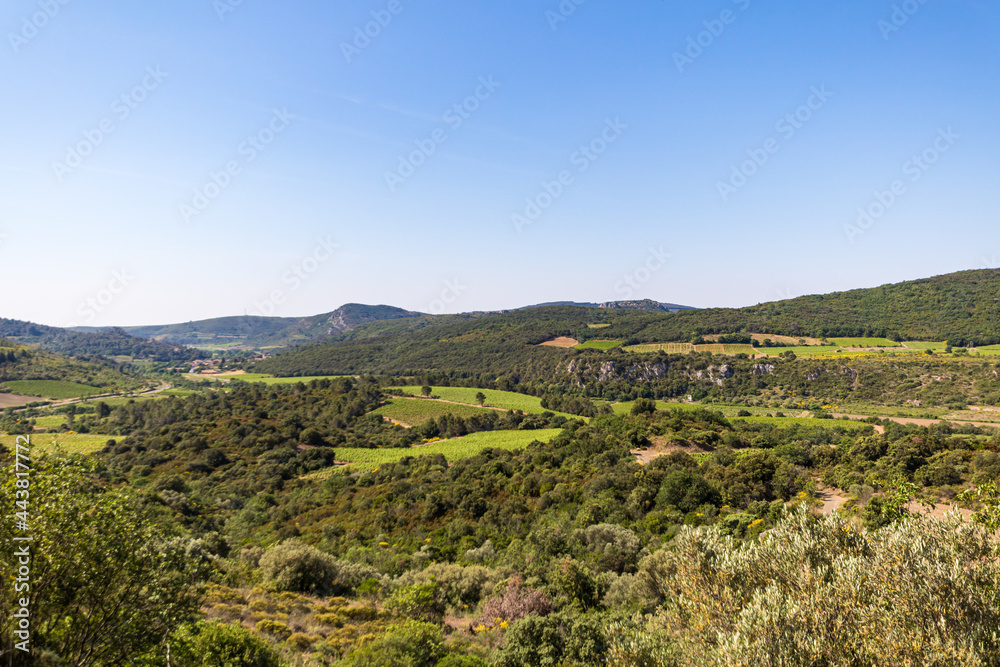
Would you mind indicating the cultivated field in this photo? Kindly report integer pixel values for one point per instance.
(863, 342)
(51, 421)
(506, 400)
(15, 400)
(70, 443)
(561, 341)
(805, 421)
(259, 377)
(626, 408)
(415, 411)
(599, 345)
(454, 449)
(731, 348)
(920, 345)
(802, 350)
(52, 389)
(669, 348)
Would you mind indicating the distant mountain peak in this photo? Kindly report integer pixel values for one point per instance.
(351, 315)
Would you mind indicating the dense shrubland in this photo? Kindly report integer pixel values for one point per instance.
(565, 553)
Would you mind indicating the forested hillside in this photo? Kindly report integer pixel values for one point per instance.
(961, 308)
(257, 331)
(110, 343)
(18, 362)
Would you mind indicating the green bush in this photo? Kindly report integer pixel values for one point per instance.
(558, 639)
(410, 643)
(295, 566)
(216, 645)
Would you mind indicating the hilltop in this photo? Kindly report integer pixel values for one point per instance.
(252, 331)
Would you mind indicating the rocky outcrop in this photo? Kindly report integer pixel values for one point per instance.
(613, 370)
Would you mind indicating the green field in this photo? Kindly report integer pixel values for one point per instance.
(52, 389)
(670, 348)
(863, 342)
(803, 350)
(599, 345)
(920, 345)
(69, 443)
(626, 407)
(507, 400)
(598, 326)
(732, 348)
(51, 421)
(273, 380)
(415, 411)
(454, 449)
(684, 348)
(804, 421)
(260, 377)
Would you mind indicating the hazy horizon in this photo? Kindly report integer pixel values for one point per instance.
(207, 158)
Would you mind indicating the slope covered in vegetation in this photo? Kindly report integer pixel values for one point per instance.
(961, 308)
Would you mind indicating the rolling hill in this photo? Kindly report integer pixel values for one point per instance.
(253, 331)
(112, 342)
(962, 308)
(38, 372)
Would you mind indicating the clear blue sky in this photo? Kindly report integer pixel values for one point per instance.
(671, 127)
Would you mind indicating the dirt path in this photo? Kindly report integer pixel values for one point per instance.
(919, 422)
(831, 498)
(658, 449)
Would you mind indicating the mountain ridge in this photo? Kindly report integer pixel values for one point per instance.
(961, 308)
